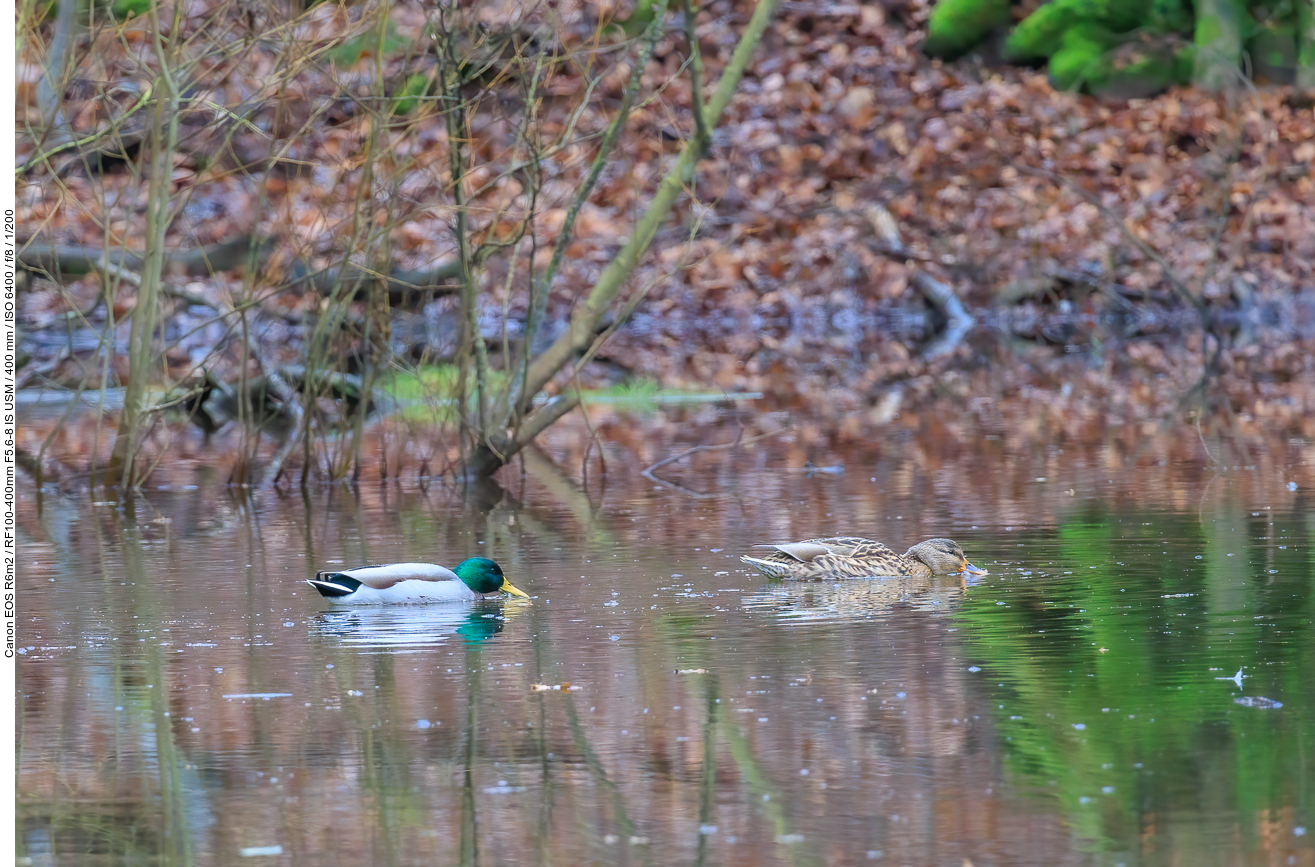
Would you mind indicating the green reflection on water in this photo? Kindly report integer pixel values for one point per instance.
(158, 801)
(1109, 673)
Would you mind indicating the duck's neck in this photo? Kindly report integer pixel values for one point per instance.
(917, 568)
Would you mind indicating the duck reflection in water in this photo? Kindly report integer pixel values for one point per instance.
(407, 629)
(859, 600)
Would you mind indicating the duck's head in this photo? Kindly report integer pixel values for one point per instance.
(943, 556)
(484, 576)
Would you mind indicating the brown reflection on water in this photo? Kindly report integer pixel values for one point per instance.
(185, 697)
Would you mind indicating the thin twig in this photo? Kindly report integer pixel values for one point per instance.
(1175, 282)
(738, 441)
(696, 79)
(520, 397)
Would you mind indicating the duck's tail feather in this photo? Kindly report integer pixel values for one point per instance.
(769, 568)
(333, 585)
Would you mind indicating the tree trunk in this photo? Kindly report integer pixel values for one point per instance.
(122, 469)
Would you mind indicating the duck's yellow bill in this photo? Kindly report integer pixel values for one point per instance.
(973, 570)
(506, 585)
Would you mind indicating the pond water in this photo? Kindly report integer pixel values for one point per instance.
(1131, 683)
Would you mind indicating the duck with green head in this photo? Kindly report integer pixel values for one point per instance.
(400, 583)
(843, 557)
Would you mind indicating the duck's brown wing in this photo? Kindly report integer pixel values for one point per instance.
(868, 565)
(848, 546)
(798, 552)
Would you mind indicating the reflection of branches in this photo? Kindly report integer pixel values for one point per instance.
(1170, 273)
(708, 771)
(738, 441)
(624, 823)
(1209, 321)
(747, 764)
(469, 852)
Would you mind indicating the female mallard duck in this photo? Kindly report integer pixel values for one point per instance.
(850, 557)
(413, 582)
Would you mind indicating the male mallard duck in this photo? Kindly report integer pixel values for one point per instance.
(413, 582)
(850, 557)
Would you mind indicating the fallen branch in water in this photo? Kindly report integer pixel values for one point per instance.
(1175, 282)
(57, 259)
(941, 295)
(648, 471)
(938, 293)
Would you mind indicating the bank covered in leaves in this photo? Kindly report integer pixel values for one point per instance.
(356, 213)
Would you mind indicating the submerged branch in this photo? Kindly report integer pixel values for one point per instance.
(1170, 274)
(738, 441)
(960, 320)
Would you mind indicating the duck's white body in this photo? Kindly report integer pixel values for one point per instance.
(395, 583)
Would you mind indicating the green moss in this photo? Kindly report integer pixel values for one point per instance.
(409, 94)
(427, 394)
(1142, 69)
(1041, 34)
(347, 53)
(956, 26)
(1171, 16)
(1273, 51)
(1107, 64)
(124, 9)
(1080, 56)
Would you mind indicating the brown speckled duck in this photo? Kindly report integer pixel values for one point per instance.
(851, 557)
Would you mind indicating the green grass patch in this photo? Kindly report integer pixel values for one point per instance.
(428, 393)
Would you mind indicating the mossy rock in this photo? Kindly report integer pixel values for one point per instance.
(1080, 55)
(1273, 51)
(1143, 68)
(956, 26)
(1171, 16)
(1041, 34)
(1104, 64)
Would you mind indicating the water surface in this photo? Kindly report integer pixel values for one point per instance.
(186, 699)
